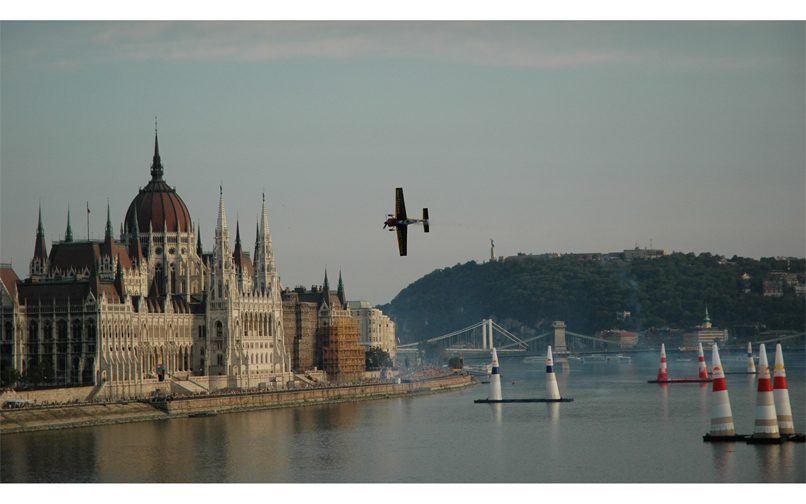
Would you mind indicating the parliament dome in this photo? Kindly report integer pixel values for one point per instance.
(157, 208)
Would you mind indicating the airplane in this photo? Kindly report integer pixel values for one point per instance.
(400, 222)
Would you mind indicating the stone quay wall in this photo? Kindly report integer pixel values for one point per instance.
(307, 396)
(55, 416)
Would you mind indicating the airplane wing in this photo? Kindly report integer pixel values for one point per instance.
(401, 238)
(400, 208)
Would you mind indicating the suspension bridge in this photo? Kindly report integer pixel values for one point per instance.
(478, 339)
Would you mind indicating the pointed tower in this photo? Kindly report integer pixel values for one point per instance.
(109, 237)
(257, 237)
(326, 296)
(135, 248)
(222, 268)
(199, 249)
(340, 293)
(265, 269)
(119, 284)
(707, 321)
(244, 282)
(156, 164)
(68, 233)
(238, 253)
(39, 264)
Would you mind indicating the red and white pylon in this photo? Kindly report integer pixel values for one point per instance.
(552, 390)
(751, 365)
(703, 367)
(721, 414)
(663, 375)
(495, 380)
(766, 419)
(781, 394)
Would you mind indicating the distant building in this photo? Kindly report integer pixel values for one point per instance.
(640, 254)
(775, 281)
(745, 284)
(704, 334)
(623, 339)
(377, 330)
(627, 255)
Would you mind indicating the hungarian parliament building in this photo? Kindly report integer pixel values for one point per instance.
(150, 311)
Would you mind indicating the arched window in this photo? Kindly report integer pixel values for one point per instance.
(76, 330)
(61, 327)
(33, 331)
(48, 331)
(219, 330)
(8, 331)
(92, 332)
(159, 279)
(173, 280)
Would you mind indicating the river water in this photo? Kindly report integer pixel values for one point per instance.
(618, 429)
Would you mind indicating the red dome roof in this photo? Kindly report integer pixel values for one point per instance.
(159, 209)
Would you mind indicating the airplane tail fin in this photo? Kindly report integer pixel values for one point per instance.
(425, 219)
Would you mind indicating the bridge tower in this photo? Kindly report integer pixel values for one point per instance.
(559, 337)
(486, 333)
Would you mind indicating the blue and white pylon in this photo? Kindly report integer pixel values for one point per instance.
(552, 391)
(766, 426)
(751, 365)
(721, 414)
(495, 380)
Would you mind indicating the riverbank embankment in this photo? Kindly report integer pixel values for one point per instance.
(92, 414)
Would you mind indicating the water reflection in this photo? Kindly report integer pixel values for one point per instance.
(616, 430)
(497, 411)
(705, 399)
(664, 402)
(724, 458)
(769, 461)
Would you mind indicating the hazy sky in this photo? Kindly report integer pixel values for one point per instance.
(544, 136)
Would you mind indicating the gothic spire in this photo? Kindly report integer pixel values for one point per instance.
(238, 253)
(265, 270)
(222, 244)
(340, 292)
(68, 234)
(135, 249)
(326, 285)
(198, 241)
(109, 231)
(40, 229)
(156, 164)
(40, 250)
(222, 216)
(109, 238)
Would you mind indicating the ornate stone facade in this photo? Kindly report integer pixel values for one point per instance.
(128, 315)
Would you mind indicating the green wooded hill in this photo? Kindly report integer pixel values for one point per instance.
(526, 294)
